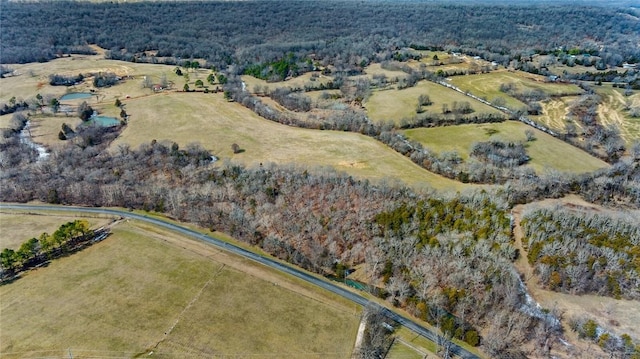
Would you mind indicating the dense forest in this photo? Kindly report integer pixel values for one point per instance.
(346, 34)
(584, 254)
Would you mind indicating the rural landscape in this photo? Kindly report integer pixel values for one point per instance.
(320, 179)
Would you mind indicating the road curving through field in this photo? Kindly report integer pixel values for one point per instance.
(267, 261)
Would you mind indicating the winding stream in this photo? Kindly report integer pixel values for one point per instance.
(25, 137)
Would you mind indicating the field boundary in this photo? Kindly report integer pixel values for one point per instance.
(193, 300)
(523, 118)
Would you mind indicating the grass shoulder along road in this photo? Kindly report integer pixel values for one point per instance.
(145, 288)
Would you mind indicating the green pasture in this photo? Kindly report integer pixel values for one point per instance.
(488, 85)
(546, 152)
(394, 105)
(216, 124)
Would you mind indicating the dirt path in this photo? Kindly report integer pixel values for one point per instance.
(617, 316)
(360, 337)
(522, 264)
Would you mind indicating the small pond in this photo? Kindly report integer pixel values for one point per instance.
(103, 121)
(75, 96)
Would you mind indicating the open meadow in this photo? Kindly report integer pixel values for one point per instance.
(448, 62)
(145, 289)
(33, 78)
(395, 105)
(252, 83)
(377, 70)
(546, 152)
(488, 85)
(208, 119)
(216, 124)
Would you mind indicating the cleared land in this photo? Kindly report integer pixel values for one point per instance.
(612, 111)
(395, 105)
(546, 152)
(554, 113)
(33, 78)
(297, 82)
(147, 289)
(16, 228)
(488, 85)
(217, 124)
(400, 350)
(392, 75)
(448, 62)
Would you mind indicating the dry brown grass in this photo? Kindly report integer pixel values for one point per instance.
(33, 78)
(611, 111)
(488, 85)
(217, 124)
(392, 75)
(296, 82)
(214, 122)
(554, 113)
(145, 286)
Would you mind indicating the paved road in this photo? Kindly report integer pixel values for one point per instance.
(332, 287)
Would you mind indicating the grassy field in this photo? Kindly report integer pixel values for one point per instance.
(217, 124)
(447, 62)
(296, 82)
(611, 111)
(392, 75)
(410, 344)
(145, 289)
(5, 120)
(546, 152)
(554, 113)
(400, 350)
(209, 120)
(394, 105)
(33, 78)
(488, 85)
(16, 227)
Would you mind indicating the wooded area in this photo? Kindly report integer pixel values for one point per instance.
(346, 34)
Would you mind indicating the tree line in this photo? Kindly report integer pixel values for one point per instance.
(69, 237)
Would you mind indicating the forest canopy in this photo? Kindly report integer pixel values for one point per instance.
(342, 33)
